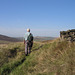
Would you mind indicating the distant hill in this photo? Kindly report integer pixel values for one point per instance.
(17, 39)
(38, 38)
(6, 38)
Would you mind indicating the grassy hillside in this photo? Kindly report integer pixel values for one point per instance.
(47, 58)
(6, 38)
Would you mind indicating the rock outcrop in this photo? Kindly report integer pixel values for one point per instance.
(68, 35)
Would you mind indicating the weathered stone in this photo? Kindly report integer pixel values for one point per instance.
(68, 35)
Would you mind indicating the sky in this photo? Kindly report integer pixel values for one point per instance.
(43, 17)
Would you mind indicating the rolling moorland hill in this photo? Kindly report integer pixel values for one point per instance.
(9, 39)
(40, 38)
(47, 58)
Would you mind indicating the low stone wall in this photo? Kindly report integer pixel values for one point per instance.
(68, 35)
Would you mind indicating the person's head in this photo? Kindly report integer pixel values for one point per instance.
(28, 30)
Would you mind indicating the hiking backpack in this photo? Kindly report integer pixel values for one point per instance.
(30, 37)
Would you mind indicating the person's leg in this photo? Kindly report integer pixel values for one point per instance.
(26, 48)
(29, 50)
(30, 47)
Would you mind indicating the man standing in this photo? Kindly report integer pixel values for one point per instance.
(28, 41)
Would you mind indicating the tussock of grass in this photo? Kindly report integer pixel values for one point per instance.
(7, 68)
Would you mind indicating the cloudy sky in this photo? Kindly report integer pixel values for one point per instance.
(43, 17)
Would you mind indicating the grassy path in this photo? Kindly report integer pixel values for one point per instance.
(25, 60)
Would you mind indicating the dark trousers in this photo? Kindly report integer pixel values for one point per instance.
(27, 48)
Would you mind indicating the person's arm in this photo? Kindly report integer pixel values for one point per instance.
(24, 41)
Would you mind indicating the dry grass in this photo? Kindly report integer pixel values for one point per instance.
(47, 58)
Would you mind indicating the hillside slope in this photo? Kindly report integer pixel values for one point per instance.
(47, 58)
(6, 38)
